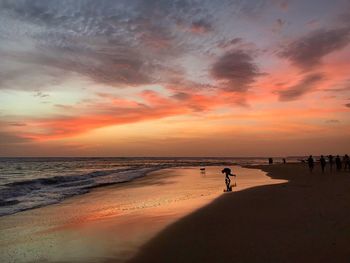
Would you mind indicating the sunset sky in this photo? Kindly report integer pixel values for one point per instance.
(174, 78)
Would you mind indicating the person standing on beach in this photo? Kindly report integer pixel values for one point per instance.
(346, 161)
(338, 163)
(227, 172)
(310, 162)
(323, 163)
(330, 159)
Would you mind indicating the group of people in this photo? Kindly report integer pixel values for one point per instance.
(340, 163)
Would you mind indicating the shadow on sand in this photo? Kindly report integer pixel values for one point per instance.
(304, 220)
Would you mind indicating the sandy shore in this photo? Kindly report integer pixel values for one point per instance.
(113, 222)
(304, 220)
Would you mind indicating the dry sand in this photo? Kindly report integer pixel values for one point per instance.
(304, 220)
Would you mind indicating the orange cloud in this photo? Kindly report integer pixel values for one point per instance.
(117, 111)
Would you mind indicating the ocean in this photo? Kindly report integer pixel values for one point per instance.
(27, 183)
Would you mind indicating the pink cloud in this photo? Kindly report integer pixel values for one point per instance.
(117, 111)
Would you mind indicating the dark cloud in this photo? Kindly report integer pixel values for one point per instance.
(236, 69)
(17, 124)
(113, 42)
(64, 107)
(85, 17)
(118, 43)
(230, 43)
(278, 25)
(112, 65)
(306, 85)
(284, 5)
(181, 96)
(313, 22)
(41, 94)
(308, 51)
(338, 89)
(201, 26)
(332, 121)
(344, 18)
(9, 138)
(347, 105)
(280, 22)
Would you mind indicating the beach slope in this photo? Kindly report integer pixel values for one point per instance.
(306, 219)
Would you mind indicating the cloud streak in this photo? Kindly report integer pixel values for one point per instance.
(307, 52)
(116, 111)
(306, 85)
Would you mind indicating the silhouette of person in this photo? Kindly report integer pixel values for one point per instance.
(338, 163)
(310, 162)
(284, 160)
(227, 172)
(270, 161)
(330, 159)
(323, 163)
(346, 161)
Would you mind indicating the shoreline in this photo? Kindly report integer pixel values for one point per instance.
(306, 219)
(90, 189)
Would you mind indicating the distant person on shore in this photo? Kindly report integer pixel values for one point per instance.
(346, 161)
(227, 172)
(284, 160)
(330, 159)
(338, 163)
(310, 162)
(323, 163)
(270, 161)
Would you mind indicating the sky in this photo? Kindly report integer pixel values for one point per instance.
(174, 78)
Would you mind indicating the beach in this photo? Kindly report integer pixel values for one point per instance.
(304, 219)
(112, 223)
(277, 213)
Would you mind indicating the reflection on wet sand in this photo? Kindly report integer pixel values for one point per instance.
(115, 221)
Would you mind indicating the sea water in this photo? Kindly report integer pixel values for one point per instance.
(27, 183)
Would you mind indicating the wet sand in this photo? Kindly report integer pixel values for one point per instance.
(111, 223)
(306, 219)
